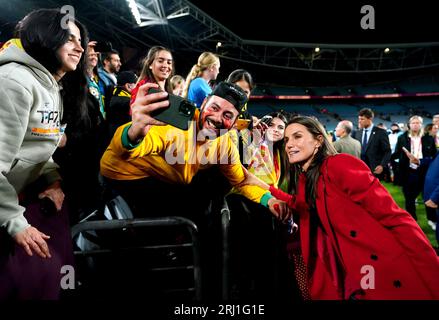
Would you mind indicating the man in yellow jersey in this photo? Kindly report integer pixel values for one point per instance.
(148, 160)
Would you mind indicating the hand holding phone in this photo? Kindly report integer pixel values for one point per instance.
(142, 109)
(179, 114)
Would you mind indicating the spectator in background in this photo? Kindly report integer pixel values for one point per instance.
(35, 240)
(198, 80)
(177, 85)
(158, 67)
(110, 66)
(345, 143)
(393, 136)
(329, 134)
(243, 79)
(243, 139)
(431, 192)
(415, 152)
(118, 112)
(375, 146)
(382, 126)
(431, 129)
(92, 76)
(86, 139)
(107, 74)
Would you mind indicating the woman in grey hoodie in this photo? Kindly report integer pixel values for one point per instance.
(31, 71)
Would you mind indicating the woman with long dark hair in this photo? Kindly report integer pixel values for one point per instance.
(264, 157)
(355, 241)
(32, 73)
(86, 137)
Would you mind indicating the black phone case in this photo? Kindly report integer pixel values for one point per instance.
(179, 113)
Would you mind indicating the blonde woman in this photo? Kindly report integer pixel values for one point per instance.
(197, 82)
(415, 153)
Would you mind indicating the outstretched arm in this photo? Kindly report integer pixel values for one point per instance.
(279, 205)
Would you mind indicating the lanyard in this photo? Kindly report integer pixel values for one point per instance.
(418, 153)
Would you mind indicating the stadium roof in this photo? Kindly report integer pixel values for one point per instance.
(275, 41)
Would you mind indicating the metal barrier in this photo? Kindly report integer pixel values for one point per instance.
(149, 223)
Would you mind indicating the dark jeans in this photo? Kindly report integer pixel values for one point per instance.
(411, 188)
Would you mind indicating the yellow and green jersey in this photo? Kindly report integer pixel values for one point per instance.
(175, 156)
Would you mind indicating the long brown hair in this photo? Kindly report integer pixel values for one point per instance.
(147, 62)
(312, 174)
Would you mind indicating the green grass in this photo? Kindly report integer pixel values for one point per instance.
(396, 193)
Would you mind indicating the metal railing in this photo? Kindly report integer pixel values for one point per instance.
(149, 223)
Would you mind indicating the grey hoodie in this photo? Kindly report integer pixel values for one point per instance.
(30, 113)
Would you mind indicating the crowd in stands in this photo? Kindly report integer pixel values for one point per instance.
(307, 207)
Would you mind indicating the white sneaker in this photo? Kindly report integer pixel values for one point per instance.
(432, 225)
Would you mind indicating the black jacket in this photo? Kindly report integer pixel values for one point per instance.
(428, 153)
(378, 150)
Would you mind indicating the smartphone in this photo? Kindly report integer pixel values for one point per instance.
(242, 124)
(179, 112)
(265, 119)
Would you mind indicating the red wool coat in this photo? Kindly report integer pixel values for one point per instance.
(365, 246)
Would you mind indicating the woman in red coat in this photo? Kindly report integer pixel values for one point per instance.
(355, 241)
